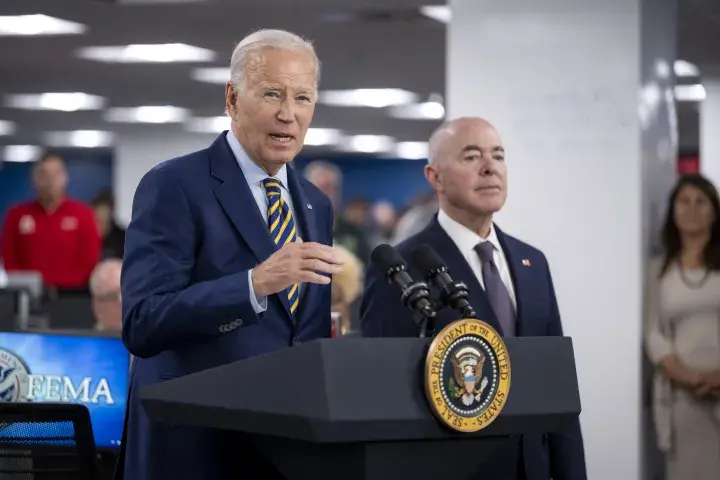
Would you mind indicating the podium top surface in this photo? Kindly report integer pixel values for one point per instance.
(361, 389)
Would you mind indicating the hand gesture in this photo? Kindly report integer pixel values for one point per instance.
(709, 383)
(296, 262)
(682, 376)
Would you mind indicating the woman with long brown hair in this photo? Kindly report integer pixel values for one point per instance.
(683, 332)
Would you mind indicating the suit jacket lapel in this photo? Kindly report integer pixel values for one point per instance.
(237, 200)
(239, 204)
(460, 270)
(305, 217)
(304, 213)
(521, 277)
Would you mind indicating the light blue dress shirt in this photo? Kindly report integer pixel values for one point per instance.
(254, 175)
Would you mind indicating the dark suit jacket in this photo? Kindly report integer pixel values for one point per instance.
(560, 456)
(195, 233)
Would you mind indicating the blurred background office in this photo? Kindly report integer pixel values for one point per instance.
(602, 107)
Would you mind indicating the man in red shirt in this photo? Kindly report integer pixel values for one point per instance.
(53, 235)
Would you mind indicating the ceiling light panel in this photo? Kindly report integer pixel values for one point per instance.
(21, 153)
(419, 111)
(79, 138)
(367, 97)
(209, 124)
(685, 69)
(316, 137)
(38, 24)
(148, 53)
(440, 13)
(6, 128)
(369, 143)
(148, 114)
(690, 93)
(216, 75)
(64, 102)
(412, 150)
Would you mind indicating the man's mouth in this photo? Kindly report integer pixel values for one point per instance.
(282, 137)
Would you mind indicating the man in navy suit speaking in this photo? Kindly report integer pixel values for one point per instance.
(228, 255)
(509, 281)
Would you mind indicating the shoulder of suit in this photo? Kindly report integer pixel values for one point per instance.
(190, 166)
(190, 161)
(407, 245)
(313, 193)
(527, 251)
(517, 243)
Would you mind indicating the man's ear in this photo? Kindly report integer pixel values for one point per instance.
(230, 98)
(432, 176)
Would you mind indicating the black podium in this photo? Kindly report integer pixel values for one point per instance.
(355, 408)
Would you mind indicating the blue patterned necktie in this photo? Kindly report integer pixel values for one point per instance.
(495, 288)
(282, 228)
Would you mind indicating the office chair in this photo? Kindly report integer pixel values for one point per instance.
(8, 310)
(71, 310)
(46, 441)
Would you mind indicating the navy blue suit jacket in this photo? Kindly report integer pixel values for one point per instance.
(195, 233)
(560, 456)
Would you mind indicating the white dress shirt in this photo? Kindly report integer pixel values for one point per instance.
(466, 240)
(254, 175)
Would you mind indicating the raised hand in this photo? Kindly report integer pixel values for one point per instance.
(297, 262)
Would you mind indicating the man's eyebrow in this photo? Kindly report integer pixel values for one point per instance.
(476, 148)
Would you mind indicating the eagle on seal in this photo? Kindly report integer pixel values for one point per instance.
(468, 364)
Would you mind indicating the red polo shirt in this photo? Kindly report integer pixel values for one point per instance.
(63, 245)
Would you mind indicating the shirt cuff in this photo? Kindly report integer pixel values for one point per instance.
(259, 305)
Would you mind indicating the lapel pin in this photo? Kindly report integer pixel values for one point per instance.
(309, 206)
(526, 262)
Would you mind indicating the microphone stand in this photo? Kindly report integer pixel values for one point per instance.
(411, 296)
(420, 320)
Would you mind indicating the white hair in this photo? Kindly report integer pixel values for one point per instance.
(105, 278)
(279, 39)
(320, 166)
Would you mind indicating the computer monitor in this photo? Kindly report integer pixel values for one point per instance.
(79, 368)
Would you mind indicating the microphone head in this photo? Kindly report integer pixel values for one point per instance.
(426, 259)
(386, 259)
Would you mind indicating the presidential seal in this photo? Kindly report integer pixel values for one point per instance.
(467, 375)
(14, 377)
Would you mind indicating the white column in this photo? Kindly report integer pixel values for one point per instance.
(137, 153)
(560, 79)
(710, 131)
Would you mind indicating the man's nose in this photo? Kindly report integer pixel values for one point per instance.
(287, 112)
(487, 168)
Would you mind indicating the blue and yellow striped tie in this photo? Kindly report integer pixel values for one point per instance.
(282, 228)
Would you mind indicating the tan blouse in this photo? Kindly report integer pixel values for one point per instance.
(682, 317)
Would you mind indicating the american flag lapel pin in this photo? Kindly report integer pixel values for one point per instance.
(526, 262)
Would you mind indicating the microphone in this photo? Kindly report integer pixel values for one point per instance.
(415, 295)
(453, 294)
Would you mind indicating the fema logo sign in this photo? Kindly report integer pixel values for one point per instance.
(14, 377)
